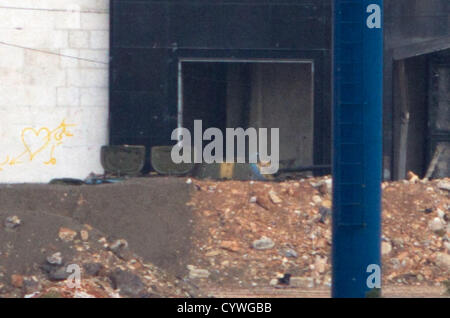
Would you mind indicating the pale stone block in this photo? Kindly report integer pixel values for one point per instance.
(87, 78)
(68, 58)
(99, 40)
(36, 19)
(50, 75)
(10, 19)
(95, 21)
(95, 97)
(94, 58)
(40, 59)
(79, 39)
(11, 77)
(68, 96)
(11, 57)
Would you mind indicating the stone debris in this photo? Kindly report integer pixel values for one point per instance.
(55, 259)
(274, 197)
(437, 225)
(230, 246)
(234, 244)
(103, 274)
(12, 222)
(415, 229)
(444, 185)
(196, 273)
(443, 261)
(290, 253)
(264, 243)
(67, 235)
(386, 248)
(84, 235)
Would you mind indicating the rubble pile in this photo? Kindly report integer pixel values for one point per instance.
(107, 269)
(250, 234)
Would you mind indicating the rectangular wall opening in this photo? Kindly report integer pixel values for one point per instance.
(252, 93)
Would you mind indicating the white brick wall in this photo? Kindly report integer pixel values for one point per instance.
(53, 107)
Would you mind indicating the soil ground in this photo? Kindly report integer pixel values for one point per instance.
(190, 238)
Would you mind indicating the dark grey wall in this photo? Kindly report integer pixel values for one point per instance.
(410, 26)
(149, 36)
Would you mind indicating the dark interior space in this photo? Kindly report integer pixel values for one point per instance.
(254, 94)
(421, 114)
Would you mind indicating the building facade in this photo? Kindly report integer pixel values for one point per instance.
(79, 74)
(53, 88)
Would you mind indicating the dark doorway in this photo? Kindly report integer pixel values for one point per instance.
(252, 93)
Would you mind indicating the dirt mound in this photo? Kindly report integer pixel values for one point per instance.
(177, 237)
(249, 234)
(149, 215)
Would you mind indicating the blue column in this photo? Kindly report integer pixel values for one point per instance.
(357, 144)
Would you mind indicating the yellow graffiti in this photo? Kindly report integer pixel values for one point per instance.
(4, 163)
(36, 141)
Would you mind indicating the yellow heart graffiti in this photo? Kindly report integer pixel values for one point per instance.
(35, 141)
(36, 146)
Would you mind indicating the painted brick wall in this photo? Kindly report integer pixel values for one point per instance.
(53, 107)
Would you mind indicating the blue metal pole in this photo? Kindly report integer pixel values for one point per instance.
(357, 145)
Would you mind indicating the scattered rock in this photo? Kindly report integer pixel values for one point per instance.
(12, 222)
(128, 283)
(436, 225)
(67, 235)
(264, 243)
(317, 199)
(386, 248)
(230, 246)
(195, 273)
(290, 253)
(274, 197)
(118, 244)
(121, 250)
(55, 259)
(17, 280)
(444, 185)
(84, 235)
(443, 261)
